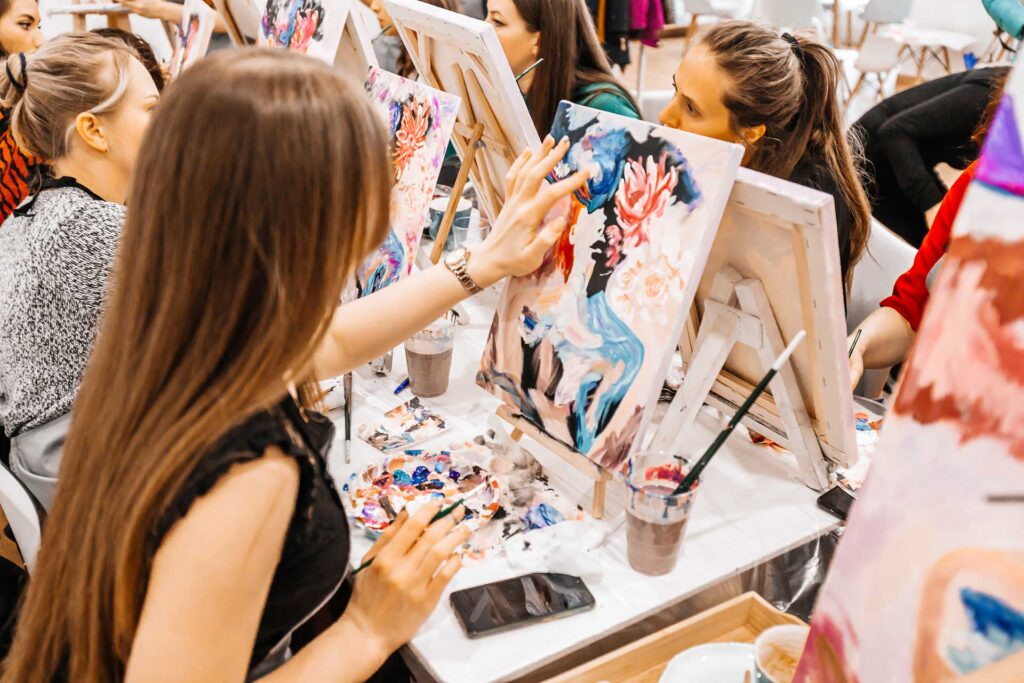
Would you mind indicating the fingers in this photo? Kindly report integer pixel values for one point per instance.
(438, 553)
(514, 170)
(536, 169)
(563, 188)
(443, 578)
(547, 237)
(411, 529)
(434, 535)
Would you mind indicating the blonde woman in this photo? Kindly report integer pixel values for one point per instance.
(84, 102)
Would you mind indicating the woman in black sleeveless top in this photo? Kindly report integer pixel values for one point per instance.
(195, 525)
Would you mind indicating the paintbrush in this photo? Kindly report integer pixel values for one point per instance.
(687, 483)
(439, 516)
(856, 338)
(529, 69)
(385, 30)
(348, 416)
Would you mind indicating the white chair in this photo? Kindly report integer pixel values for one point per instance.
(881, 13)
(938, 32)
(23, 513)
(722, 9)
(887, 257)
(793, 14)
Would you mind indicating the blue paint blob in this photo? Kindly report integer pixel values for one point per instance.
(454, 475)
(402, 478)
(997, 631)
(420, 474)
(439, 467)
(543, 515)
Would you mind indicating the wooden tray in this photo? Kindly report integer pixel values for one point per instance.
(739, 620)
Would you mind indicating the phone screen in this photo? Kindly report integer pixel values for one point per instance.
(837, 501)
(506, 604)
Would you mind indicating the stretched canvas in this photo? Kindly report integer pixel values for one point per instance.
(419, 120)
(192, 35)
(462, 56)
(312, 27)
(355, 53)
(928, 581)
(581, 347)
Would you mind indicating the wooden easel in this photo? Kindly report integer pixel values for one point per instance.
(751, 323)
(472, 144)
(521, 426)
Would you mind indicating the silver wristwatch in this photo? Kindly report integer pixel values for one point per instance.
(457, 262)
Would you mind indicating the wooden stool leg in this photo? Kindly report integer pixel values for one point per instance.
(597, 509)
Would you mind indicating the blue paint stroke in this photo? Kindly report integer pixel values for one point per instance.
(383, 267)
(997, 631)
(541, 516)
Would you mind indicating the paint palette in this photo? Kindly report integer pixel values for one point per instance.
(412, 479)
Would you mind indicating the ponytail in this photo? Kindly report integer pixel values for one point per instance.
(46, 90)
(789, 84)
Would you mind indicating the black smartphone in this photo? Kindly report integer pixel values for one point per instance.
(507, 604)
(836, 501)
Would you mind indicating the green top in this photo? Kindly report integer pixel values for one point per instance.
(608, 97)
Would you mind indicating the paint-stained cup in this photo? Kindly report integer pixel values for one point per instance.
(777, 653)
(428, 358)
(656, 516)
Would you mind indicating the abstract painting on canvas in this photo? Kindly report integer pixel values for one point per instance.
(928, 580)
(581, 347)
(192, 35)
(312, 27)
(419, 121)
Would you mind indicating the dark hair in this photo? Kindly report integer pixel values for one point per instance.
(403, 64)
(141, 47)
(995, 98)
(256, 245)
(572, 54)
(790, 85)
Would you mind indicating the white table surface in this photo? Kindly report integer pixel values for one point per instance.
(749, 510)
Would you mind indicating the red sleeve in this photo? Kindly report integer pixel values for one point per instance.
(910, 293)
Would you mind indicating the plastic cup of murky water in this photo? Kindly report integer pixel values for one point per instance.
(428, 357)
(656, 516)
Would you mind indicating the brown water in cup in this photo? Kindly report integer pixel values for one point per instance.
(653, 547)
(428, 372)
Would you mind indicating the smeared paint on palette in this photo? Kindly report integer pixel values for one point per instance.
(412, 479)
(581, 347)
(403, 426)
(419, 122)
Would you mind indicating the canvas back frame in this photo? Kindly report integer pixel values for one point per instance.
(462, 56)
(785, 235)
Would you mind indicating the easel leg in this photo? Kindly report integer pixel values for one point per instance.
(597, 507)
(453, 201)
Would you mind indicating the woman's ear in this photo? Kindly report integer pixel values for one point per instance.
(535, 45)
(88, 127)
(752, 134)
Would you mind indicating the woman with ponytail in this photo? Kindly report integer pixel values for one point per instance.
(777, 96)
(83, 102)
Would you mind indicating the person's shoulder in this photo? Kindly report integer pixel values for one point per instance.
(606, 96)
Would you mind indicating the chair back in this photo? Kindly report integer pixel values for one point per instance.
(792, 14)
(956, 16)
(886, 258)
(887, 11)
(24, 515)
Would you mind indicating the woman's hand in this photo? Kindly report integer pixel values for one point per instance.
(413, 561)
(518, 240)
(154, 9)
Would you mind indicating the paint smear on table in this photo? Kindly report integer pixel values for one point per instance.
(404, 426)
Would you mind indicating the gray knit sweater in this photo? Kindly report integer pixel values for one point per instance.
(54, 265)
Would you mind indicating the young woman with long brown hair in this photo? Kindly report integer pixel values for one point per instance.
(776, 95)
(83, 102)
(19, 32)
(195, 525)
(575, 67)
